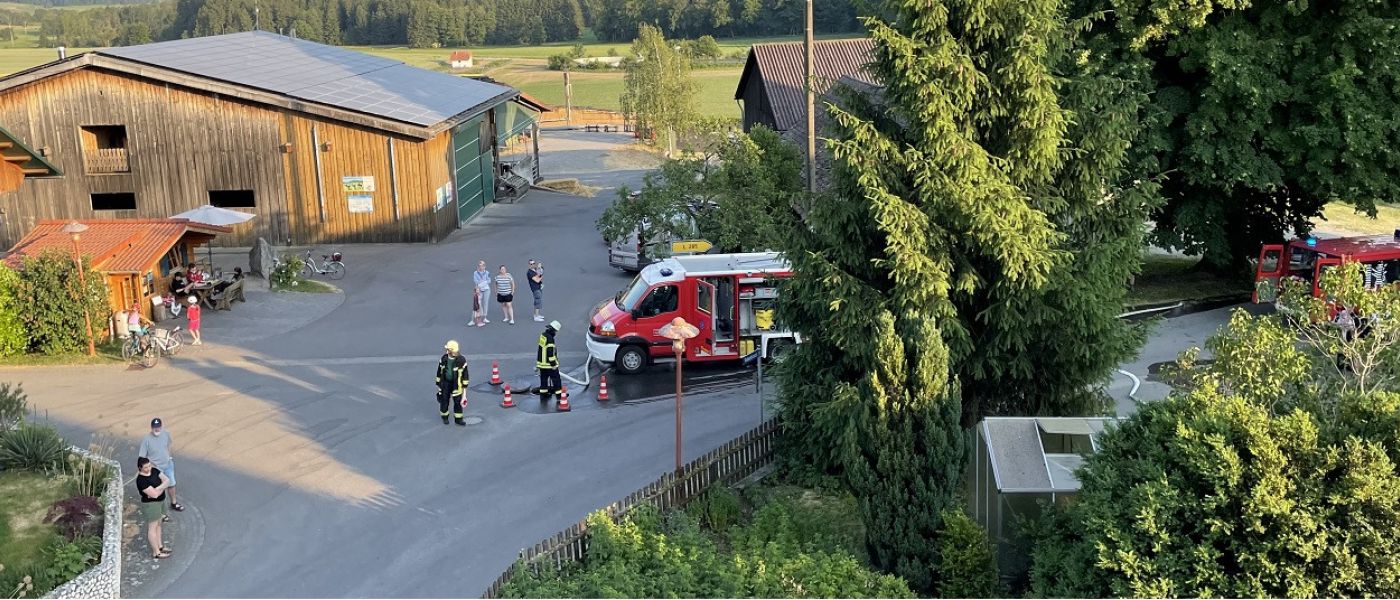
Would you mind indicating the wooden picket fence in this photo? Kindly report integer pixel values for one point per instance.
(725, 466)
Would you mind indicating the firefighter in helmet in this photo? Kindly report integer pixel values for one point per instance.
(547, 361)
(452, 382)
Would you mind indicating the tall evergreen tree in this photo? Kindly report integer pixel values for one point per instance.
(940, 185)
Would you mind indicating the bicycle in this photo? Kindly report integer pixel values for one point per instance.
(146, 349)
(330, 266)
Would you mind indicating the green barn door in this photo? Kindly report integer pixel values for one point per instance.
(467, 162)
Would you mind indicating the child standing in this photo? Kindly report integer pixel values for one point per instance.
(194, 312)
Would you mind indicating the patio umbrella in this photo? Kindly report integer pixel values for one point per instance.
(213, 215)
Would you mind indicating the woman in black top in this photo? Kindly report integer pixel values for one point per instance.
(151, 485)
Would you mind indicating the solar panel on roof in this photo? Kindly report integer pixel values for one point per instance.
(320, 73)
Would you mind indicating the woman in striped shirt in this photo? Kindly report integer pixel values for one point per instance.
(505, 293)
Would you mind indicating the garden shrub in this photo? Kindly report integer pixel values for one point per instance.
(76, 517)
(967, 567)
(54, 302)
(287, 273)
(718, 509)
(651, 554)
(86, 477)
(32, 447)
(14, 404)
(65, 559)
(13, 339)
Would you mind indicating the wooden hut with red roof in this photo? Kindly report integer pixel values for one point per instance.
(137, 256)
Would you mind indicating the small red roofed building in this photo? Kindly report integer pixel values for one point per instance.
(462, 59)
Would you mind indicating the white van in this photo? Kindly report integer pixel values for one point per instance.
(631, 255)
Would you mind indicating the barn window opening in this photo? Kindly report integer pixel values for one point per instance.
(114, 201)
(104, 149)
(232, 198)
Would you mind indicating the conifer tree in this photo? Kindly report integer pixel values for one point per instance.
(941, 180)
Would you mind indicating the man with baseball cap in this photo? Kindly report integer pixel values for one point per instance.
(452, 382)
(156, 447)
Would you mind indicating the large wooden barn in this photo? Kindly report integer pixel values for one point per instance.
(323, 144)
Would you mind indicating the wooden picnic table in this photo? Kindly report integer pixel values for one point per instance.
(202, 291)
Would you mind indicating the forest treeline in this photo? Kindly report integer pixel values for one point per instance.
(427, 23)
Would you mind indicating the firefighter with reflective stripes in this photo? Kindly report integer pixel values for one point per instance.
(452, 382)
(547, 361)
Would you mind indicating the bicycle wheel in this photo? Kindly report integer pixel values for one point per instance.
(173, 346)
(306, 271)
(335, 270)
(150, 357)
(128, 351)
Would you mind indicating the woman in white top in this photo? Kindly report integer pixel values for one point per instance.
(505, 294)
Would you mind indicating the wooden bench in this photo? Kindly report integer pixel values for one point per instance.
(223, 299)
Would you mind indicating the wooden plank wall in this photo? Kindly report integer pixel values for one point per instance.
(355, 151)
(180, 145)
(184, 143)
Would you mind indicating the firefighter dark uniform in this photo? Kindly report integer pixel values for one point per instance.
(452, 382)
(547, 361)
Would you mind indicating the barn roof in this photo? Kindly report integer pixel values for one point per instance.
(267, 68)
(779, 67)
(320, 73)
(115, 245)
(461, 55)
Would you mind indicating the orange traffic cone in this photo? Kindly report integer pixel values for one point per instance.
(563, 399)
(603, 389)
(495, 373)
(507, 402)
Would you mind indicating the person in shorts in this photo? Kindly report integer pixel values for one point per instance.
(505, 294)
(535, 278)
(156, 447)
(151, 485)
(193, 313)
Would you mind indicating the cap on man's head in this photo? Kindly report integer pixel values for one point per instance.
(155, 423)
(451, 346)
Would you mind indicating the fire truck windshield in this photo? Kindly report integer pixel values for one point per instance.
(628, 298)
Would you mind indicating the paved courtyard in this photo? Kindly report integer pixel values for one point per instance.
(310, 451)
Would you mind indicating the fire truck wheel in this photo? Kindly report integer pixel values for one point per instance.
(630, 359)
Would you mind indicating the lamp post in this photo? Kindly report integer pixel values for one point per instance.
(678, 331)
(73, 228)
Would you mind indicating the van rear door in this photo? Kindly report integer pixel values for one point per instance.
(1268, 273)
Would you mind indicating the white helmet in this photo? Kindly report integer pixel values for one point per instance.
(193, 299)
(555, 325)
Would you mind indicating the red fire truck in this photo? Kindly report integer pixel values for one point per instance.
(1308, 259)
(729, 297)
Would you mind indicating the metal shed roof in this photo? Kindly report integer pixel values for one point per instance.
(322, 74)
(1018, 459)
(779, 68)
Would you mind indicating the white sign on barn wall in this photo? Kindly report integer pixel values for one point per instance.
(361, 203)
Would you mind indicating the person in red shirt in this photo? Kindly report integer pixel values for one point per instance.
(193, 313)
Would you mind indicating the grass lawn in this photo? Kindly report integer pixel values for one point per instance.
(1342, 219)
(601, 89)
(311, 286)
(24, 501)
(107, 353)
(18, 59)
(1171, 278)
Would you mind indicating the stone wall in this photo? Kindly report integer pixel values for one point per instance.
(105, 579)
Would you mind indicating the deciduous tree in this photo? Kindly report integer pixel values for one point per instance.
(658, 94)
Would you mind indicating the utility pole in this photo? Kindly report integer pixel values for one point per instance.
(257, 22)
(810, 77)
(568, 100)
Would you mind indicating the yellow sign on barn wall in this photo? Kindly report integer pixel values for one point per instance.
(696, 246)
(358, 184)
